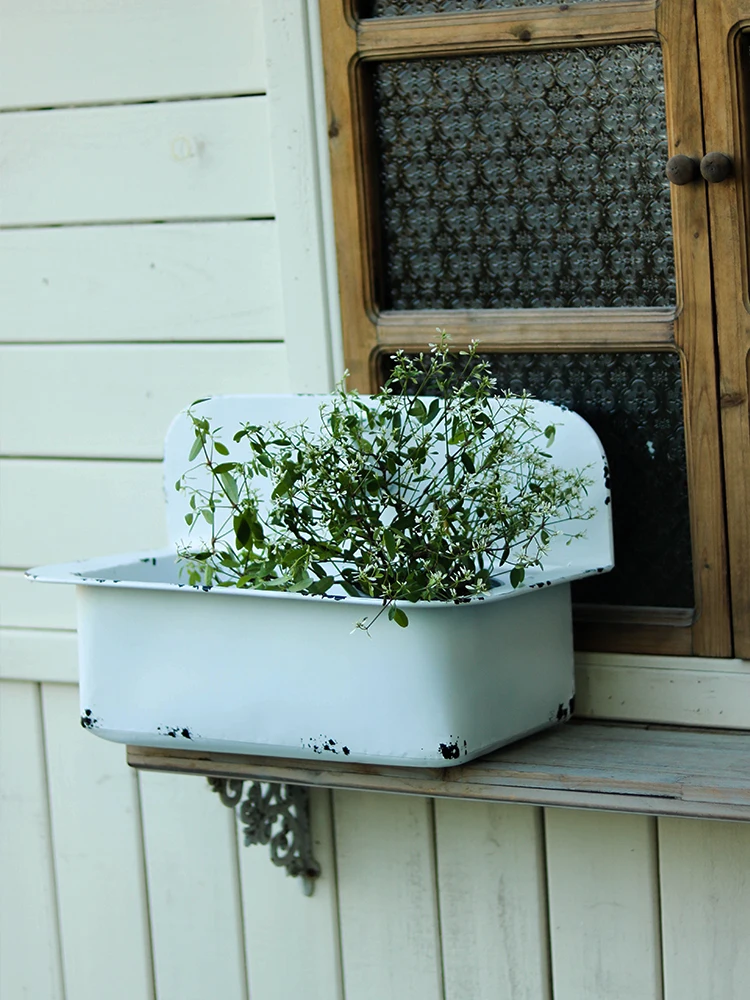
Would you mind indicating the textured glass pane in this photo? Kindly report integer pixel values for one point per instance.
(411, 8)
(634, 403)
(524, 180)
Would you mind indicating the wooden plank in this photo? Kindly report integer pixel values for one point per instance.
(192, 281)
(526, 329)
(390, 937)
(311, 923)
(177, 160)
(493, 901)
(603, 906)
(104, 507)
(694, 336)
(619, 768)
(72, 52)
(25, 606)
(118, 400)
(665, 692)
(98, 858)
(193, 892)
(450, 34)
(345, 137)
(38, 655)
(298, 200)
(725, 132)
(705, 904)
(29, 940)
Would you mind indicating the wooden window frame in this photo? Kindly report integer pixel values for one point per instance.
(348, 45)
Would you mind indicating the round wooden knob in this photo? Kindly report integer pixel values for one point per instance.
(716, 167)
(681, 169)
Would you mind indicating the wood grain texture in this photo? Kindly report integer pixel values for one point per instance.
(38, 655)
(390, 935)
(350, 203)
(526, 329)
(98, 858)
(298, 201)
(193, 889)
(183, 160)
(603, 906)
(711, 633)
(309, 924)
(705, 904)
(404, 37)
(356, 207)
(104, 506)
(29, 940)
(116, 400)
(493, 901)
(724, 100)
(619, 768)
(194, 281)
(72, 52)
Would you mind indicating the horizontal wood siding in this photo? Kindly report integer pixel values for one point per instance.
(145, 162)
(118, 400)
(208, 281)
(82, 51)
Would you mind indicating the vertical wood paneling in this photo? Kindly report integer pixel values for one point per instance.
(493, 905)
(98, 858)
(178, 281)
(29, 943)
(193, 890)
(82, 51)
(292, 941)
(603, 906)
(705, 897)
(141, 162)
(387, 897)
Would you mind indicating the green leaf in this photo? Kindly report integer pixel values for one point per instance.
(197, 445)
(221, 448)
(549, 433)
(242, 530)
(517, 575)
(418, 410)
(467, 461)
(398, 616)
(230, 486)
(433, 411)
(189, 518)
(321, 586)
(224, 467)
(283, 486)
(389, 540)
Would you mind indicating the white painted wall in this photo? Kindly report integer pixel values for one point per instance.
(166, 234)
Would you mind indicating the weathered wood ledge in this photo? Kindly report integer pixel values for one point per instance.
(660, 770)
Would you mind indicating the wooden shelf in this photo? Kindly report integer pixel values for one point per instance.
(697, 773)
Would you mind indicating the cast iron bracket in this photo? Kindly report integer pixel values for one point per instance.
(277, 815)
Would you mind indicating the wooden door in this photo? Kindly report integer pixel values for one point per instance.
(498, 172)
(724, 31)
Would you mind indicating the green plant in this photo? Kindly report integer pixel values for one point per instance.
(398, 496)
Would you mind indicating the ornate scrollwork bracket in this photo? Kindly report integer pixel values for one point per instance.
(277, 815)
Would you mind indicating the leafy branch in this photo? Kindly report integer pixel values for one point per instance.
(399, 496)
